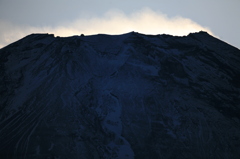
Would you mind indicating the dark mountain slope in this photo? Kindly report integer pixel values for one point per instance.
(121, 96)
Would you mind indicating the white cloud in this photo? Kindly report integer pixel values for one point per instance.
(113, 22)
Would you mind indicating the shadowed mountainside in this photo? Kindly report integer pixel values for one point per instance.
(120, 96)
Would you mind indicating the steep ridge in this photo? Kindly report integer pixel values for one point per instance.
(120, 96)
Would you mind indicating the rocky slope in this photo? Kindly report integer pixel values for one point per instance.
(120, 96)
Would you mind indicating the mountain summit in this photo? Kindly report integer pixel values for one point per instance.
(120, 96)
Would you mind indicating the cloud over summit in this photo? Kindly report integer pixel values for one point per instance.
(113, 22)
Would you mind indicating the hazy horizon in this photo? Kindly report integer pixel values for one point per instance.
(68, 18)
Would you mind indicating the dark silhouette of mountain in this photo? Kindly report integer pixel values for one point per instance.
(120, 96)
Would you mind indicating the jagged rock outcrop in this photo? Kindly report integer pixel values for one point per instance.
(120, 96)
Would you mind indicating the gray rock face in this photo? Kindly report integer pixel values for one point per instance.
(123, 96)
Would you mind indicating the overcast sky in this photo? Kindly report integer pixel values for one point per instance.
(19, 18)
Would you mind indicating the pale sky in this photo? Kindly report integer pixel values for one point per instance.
(19, 18)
